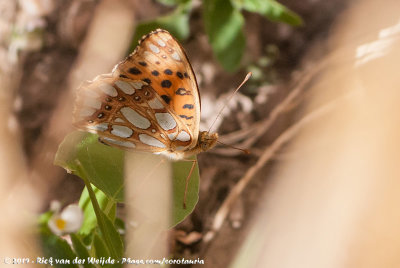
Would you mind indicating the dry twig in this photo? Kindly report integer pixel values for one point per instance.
(254, 132)
(268, 153)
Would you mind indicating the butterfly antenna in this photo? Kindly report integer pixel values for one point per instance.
(245, 151)
(230, 97)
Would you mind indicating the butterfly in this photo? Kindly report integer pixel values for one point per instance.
(150, 102)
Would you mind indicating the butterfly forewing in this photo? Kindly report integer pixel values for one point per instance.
(161, 61)
(150, 101)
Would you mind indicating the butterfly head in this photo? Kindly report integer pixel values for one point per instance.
(207, 140)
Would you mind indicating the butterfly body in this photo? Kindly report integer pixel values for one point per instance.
(149, 102)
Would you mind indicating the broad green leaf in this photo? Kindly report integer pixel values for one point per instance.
(103, 164)
(271, 9)
(224, 27)
(177, 23)
(90, 221)
(80, 250)
(181, 171)
(57, 248)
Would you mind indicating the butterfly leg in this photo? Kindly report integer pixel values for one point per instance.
(194, 161)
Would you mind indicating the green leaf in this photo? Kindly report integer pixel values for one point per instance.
(100, 248)
(177, 23)
(181, 171)
(224, 27)
(56, 248)
(45, 217)
(103, 164)
(90, 221)
(271, 9)
(80, 250)
(111, 237)
(115, 244)
(173, 2)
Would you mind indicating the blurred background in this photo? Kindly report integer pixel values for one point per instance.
(321, 187)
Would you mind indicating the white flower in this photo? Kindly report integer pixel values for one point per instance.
(69, 220)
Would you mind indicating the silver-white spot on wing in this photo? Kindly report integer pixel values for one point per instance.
(175, 56)
(119, 120)
(121, 131)
(172, 136)
(164, 37)
(125, 87)
(127, 144)
(183, 136)
(161, 43)
(149, 140)
(154, 48)
(135, 119)
(98, 127)
(155, 104)
(108, 89)
(137, 84)
(166, 121)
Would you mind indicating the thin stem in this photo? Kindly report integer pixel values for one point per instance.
(97, 210)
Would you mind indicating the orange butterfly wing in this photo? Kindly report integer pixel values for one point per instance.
(161, 61)
(150, 102)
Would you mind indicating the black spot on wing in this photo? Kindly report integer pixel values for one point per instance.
(134, 70)
(147, 80)
(155, 73)
(179, 74)
(185, 116)
(123, 76)
(188, 106)
(143, 63)
(166, 83)
(168, 71)
(166, 98)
